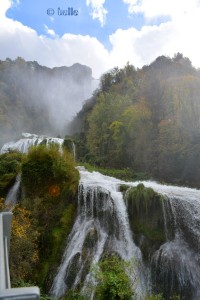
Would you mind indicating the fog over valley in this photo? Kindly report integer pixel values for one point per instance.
(41, 100)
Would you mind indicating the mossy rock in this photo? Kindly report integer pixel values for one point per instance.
(90, 240)
(55, 243)
(145, 210)
(68, 144)
(123, 188)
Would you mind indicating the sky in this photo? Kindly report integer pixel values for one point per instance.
(101, 34)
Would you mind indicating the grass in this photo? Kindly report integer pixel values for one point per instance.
(123, 174)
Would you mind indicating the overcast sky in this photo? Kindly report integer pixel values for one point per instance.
(104, 34)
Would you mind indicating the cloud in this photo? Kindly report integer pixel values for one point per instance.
(50, 32)
(4, 6)
(98, 11)
(143, 46)
(156, 8)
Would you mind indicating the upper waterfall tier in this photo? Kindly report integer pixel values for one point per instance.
(29, 140)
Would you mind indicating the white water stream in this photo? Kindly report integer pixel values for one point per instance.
(185, 208)
(101, 208)
(11, 197)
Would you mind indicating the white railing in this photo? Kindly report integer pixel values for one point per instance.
(6, 292)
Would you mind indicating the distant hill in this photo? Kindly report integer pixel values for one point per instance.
(38, 99)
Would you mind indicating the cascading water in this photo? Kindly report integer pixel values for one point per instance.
(175, 266)
(11, 197)
(101, 226)
(29, 140)
(74, 150)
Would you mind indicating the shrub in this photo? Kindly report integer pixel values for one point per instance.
(10, 165)
(113, 281)
(46, 170)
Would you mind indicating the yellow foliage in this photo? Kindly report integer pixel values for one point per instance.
(24, 254)
(21, 223)
(1, 204)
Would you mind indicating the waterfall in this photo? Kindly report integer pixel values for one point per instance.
(101, 226)
(11, 197)
(29, 140)
(175, 266)
(74, 150)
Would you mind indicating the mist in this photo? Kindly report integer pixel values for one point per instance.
(41, 100)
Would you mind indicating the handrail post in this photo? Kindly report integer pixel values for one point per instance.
(5, 230)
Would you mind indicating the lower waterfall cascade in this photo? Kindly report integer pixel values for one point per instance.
(102, 225)
(99, 202)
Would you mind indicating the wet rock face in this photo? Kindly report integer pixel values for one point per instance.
(90, 240)
(98, 205)
(97, 208)
(81, 262)
(170, 274)
(164, 231)
(145, 211)
(72, 270)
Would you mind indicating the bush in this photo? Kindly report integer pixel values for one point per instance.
(113, 281)
(10, 165)
(47, 171)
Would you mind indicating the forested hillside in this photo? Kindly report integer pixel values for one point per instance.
(147, 120)
(37, 99)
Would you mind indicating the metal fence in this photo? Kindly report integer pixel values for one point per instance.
(6, 292)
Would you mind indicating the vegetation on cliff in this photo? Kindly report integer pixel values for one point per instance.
(147, 120)
(45, 214)
(146, 219)
(10, 165)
